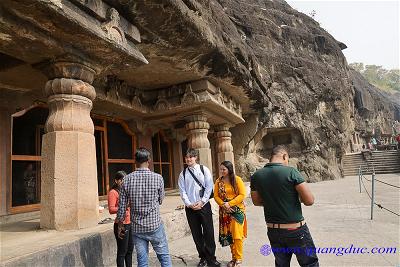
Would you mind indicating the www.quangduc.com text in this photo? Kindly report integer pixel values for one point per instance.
(338, 251)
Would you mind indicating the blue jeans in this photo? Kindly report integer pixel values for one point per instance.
(288, 242)
(158, 240)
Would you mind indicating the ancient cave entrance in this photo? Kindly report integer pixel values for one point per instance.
(290, 137)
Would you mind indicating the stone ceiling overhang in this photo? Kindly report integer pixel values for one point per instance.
(170, 105)
(41, 30)
(104, 35)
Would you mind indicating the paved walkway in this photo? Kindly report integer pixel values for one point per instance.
(26, 237)
(340, 217)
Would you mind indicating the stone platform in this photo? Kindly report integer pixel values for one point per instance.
(23, 243)
(340, 217)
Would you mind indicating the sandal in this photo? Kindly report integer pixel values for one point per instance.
(106, 220)
(231, 263)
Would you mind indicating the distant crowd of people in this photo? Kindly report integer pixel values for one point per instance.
(280, 189)
(376, 143)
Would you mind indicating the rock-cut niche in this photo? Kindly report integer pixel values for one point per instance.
(289, 137)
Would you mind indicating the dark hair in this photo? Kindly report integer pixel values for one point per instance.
(280, 149)
(142, 155)
(232, 177)
(192, 152)
(118, 176)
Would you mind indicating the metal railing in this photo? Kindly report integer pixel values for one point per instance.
(361, 179)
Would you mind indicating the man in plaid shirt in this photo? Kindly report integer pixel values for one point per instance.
(143, 190)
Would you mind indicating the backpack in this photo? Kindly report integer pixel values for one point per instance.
(203, 189)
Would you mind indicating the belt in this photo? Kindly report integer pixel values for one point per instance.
(286, 225)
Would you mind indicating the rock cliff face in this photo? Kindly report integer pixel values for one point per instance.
(303, 77)
(376, 110)
(291, 69)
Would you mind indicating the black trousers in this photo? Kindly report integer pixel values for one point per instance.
(124, 246)
(285, 243)
(201, 225)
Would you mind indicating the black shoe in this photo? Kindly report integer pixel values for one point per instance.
(214, 263)
(202, 263)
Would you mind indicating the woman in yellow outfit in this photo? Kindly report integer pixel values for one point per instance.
(229, 194)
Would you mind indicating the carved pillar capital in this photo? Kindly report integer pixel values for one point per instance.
(197, 137)
(224, 144)
(70, 87)
(70, 95)
(197, 123)
(224, 138)
(69, 66)
(196, 117)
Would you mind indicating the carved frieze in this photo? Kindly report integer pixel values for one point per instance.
(179, 98)
(118, 91)
(189, 98)
(113, 27)
(219, 96)
(162, 102)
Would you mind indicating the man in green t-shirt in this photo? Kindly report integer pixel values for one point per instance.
(279, 189)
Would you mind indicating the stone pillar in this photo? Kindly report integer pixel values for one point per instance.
(69, 198)
(5, 158)
(144, 140)
(224, 144)
(197, 137)
(177, 161)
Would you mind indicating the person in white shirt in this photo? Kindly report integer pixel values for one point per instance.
(195, 186)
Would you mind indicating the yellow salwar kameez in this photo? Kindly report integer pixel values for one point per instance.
(231, 231)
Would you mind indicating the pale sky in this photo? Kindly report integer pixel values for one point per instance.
(370, 29)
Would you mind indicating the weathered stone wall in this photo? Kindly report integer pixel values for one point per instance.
(293, 70)
(375, 110)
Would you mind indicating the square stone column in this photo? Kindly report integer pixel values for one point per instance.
(197, 136)
(224, 144)
(69, 197)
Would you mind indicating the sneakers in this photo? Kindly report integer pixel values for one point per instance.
(202, 263)
(214, 263)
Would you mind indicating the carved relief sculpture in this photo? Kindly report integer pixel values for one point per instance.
(112, 27)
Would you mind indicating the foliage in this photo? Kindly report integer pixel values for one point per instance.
(388, 80)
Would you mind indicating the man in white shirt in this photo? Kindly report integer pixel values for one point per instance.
(195, 186)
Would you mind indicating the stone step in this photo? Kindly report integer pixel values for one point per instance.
(370, 166)
(394, 170)
(387, 152)
(377, 170)
(380, 161)
(385, 156)
(372, 162)
(372, 157)
(365, 173)
(370, 172)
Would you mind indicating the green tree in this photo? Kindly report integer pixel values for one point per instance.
(388, 80)
(357, 66)
(393, 79)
